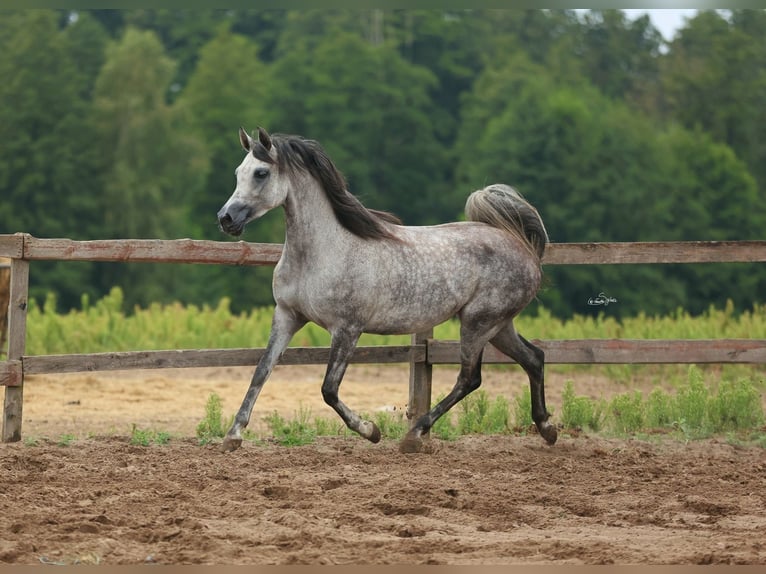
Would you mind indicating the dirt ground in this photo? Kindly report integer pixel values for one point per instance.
(477, 500)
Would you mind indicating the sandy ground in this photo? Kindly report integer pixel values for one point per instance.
(342, 500)
(173, 400)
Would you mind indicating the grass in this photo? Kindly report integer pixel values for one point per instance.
(696, 410)
(294, 432)
(579, 412)
(146, 437)
(105, 325)
(213, 426)
(66, 439)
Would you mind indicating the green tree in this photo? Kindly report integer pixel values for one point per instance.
(182, 33)
(619, 55)
(227, 89)
(598, 171)
(152, 162)
(369, 108)
(714, 78)
(46, 143)
(713, 197)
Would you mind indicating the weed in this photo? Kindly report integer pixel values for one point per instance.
(691, 404)
(66, 439)
(735, 406)
(213, 425)
(627, 410)
(660, 409)
(444, 428)
(479, 415)
(295, 432)
(104, 325)
(522, 409)
(31, 441)
(327, 427)
(145, 437)
(391, 424)
(578, 412)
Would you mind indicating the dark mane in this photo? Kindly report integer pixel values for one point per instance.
(295, 152)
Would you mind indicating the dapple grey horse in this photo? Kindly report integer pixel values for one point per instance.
(354, 270)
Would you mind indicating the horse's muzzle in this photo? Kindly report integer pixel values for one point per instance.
(232, 218)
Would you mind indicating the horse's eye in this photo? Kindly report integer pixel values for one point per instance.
(260, 173)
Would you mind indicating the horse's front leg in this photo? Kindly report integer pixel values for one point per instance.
(283, 326)
(343, 345)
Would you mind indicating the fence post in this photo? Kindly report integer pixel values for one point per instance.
(420, 381)
(17, 337)
(5, 294)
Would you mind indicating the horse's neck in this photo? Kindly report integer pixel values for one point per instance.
(312, 229)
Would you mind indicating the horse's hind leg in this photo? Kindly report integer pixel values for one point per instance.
(283, 326)
(532, 360)
(342, 347)
(468, 380)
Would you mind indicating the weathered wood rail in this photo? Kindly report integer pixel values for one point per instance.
(421, 354)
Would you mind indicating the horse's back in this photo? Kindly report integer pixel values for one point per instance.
(436, 272)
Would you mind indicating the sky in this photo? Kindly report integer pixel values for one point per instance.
(667, 20)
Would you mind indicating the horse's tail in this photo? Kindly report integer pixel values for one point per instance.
(503, 207)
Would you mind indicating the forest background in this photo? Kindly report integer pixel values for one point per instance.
(123, 124)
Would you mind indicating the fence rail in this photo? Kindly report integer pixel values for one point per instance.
(422, 354)
(24, 246)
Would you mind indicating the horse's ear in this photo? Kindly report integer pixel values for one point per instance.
(264, 138)
(245, 140)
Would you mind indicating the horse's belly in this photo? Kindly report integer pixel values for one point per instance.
(405, 319)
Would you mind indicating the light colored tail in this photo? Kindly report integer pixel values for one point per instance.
(503, 207)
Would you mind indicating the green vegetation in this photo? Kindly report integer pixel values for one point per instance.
(106, 325)
(580, 412)
(734, 410)
(729, 402)
(128, 118)
(696, 410)
(145, 437)
(295, 432)
(213, 426)
(66, 439)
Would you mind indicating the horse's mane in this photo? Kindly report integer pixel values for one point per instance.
(295, 152)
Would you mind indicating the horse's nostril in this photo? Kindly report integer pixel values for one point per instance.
(225, 218)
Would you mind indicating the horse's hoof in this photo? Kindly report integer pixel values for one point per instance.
(375, 434)
(230, 444)
(549, 433)
(411, 444)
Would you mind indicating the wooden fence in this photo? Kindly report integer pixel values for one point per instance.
(421, 354)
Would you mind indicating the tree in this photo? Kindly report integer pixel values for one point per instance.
(227, 89)
(598, 171)
(369, 109)
(152, 163)
(46, 143)
(713, 197)
(714, 78)
(619, 55)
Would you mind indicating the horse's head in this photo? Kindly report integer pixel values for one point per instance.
(259, 187)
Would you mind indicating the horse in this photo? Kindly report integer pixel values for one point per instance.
(354, 270)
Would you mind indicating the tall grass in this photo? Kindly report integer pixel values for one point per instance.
(697, 409)
(106, 326)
